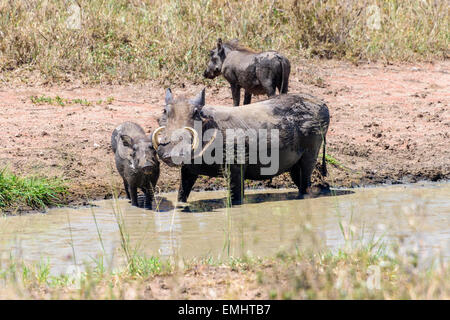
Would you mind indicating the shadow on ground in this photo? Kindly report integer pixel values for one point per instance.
(162, 204)
(219, 203)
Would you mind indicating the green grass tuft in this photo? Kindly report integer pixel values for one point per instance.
(144, 266)
(58, 101)
(331, 160)
(33, 192)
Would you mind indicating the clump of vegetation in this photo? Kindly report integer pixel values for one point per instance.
(32, 192)
(361, 273)
(122, 40)
(335, 162)
(57, 100)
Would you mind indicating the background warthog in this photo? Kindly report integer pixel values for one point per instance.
(301, 121)
(136, 161)
(256, 73)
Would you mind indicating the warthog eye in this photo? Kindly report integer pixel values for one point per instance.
(198, 114)
(166, 109)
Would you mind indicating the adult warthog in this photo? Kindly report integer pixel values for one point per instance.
(256, 73)
(225, 141)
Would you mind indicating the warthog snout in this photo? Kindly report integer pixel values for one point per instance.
(209, 74)
(167, 158)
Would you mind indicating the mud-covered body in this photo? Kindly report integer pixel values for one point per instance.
(256, 73)
(136, 161)
(301, 120)
(302, 123)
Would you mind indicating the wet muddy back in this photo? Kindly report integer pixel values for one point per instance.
(416, 216)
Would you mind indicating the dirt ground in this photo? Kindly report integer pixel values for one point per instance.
(389, 124)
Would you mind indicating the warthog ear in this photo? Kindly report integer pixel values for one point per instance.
(219, 44)
(125, 151)
(199, 100)
(127, 140)
(169, 97)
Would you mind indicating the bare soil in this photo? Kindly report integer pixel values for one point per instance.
(389, 124)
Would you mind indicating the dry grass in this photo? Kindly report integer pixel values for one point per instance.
(358, 274)
(129, 40)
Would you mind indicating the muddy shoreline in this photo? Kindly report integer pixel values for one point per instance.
(389, 124)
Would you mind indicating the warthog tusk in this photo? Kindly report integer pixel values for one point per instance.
(210, 142)
(195, 139)
(155, 135)
(194, 134)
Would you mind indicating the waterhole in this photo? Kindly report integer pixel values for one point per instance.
(417, 217)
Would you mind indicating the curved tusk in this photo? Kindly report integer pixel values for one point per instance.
(155, 135)
(195, 139)
(210, 142)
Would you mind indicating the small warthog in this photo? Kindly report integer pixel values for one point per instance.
(256, 73)
(136, 161)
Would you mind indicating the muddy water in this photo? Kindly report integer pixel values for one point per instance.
(417, 216)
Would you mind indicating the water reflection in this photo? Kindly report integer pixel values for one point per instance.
(417, 216)
(220, 203)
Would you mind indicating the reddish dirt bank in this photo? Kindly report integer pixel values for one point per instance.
(389, 123)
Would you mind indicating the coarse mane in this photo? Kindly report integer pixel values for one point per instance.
(236, 46)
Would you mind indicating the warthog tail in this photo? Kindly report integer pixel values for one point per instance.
(282, 74)
(283, 87)
(324, 160)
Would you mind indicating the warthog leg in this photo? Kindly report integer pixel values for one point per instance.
(236, 92)
(125, 184)
(296, 176)
(148, 198)
(307, 164)
(134, 197)
(237, 174)
(247, 97)
(187, 182)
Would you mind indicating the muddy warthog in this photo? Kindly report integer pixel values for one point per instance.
(291, 126)
(256, 73)
(136, 161)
